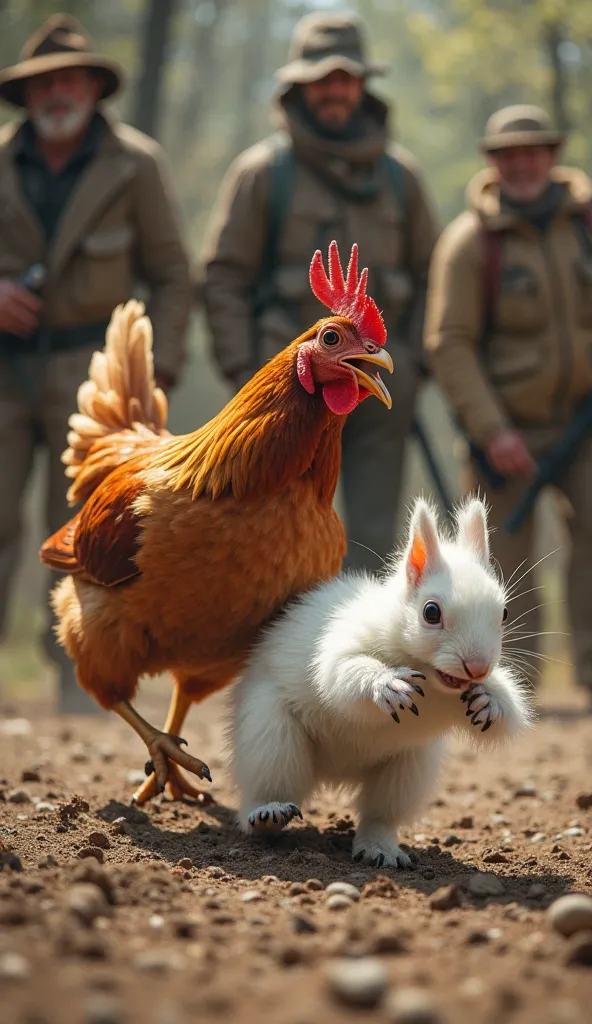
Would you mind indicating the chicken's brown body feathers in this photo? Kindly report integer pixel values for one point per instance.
(208, 536)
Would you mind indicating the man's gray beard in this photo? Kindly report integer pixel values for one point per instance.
(52, 128)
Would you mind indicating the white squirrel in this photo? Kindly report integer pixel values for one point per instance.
(332, 691)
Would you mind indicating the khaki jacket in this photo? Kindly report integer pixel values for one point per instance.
(119, 228)
(538, 361)
(318, 212)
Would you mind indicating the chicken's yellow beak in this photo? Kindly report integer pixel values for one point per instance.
(368, 377)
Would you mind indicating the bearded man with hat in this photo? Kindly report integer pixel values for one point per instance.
(87, 212)
(330, 172)
(509, 338)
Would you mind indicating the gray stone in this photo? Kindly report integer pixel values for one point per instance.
(570, 914)
(343, 889)
(360, 983)
(412, 1006)
(485, 884)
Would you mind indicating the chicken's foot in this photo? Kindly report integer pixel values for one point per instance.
(163, 747)
(177, 787)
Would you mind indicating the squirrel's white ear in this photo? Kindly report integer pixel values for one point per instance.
(423, 550)
(472, 528)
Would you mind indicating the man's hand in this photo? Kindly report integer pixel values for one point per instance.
(19, 309)
(509, 455)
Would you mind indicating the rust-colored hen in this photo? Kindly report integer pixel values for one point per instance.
(185, 546)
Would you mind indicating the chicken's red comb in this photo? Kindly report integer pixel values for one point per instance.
(347, 297)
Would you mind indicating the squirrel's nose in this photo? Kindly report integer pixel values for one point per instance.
(477, 668)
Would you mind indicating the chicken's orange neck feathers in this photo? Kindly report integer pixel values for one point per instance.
(269, 434)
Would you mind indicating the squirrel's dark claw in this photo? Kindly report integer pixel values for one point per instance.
(413, 708)
(487, 725)
(396, 717)
(418, 690)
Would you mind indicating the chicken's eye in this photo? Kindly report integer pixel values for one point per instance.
(505, 615)
(432, 613)
(330, 337)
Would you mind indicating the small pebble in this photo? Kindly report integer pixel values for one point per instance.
(10, 861)
(187, 927)
(44, 807)
(88, 902)
(445, 898)
(495, 857)
(526, 790)
(296, 889)
(250, 896)
(47, 862)
(584, 801)
(156, 921)
(574, 831)
(343, 889)
(571, 913)
(121, 826)
(99, 839)
(452, 841)
(339, 902)
(103, 1009)
(484, 884)
(389, 940)
(19, 796)
(466, 822)
(186, 863)
(14, 967)
(580, 950)
(15, 727)
(537, 890)
(359, 983)
(412, 1006)
(92, 851)
(270, 879)
(538, 837)
(30, 775)
(314, 885)
(303, 925)
(155, 962)
(79, 753)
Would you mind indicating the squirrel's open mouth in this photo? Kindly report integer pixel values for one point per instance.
(453, 682)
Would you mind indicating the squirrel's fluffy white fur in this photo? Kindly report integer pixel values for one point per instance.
(318, 697)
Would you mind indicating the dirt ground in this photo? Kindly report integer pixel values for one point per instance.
(186, 920)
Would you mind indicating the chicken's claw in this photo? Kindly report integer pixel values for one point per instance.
(177, 788)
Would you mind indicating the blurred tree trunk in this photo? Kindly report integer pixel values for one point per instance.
(201, 77)
(157, 23)
(553, 35)
(253, 65)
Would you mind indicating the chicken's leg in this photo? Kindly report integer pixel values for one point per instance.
(165, 747)
(177, 785)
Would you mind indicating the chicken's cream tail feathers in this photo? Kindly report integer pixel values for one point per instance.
(119, 397)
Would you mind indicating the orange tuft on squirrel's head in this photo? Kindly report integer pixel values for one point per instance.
(342, 353)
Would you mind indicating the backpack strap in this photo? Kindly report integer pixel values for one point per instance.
(583, 224)
(281, 183)
(282, 170)
(394, 173)
(492, 250)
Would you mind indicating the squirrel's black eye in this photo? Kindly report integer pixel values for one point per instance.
(432, 613)
(331, 337)
(505, 615)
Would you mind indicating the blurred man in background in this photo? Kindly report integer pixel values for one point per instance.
(91, 201)
(329, 173)
(509, 335)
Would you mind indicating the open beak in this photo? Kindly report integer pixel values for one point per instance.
(368, 377)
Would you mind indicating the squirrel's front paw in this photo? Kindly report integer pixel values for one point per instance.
(482, 708)
(395, 690)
